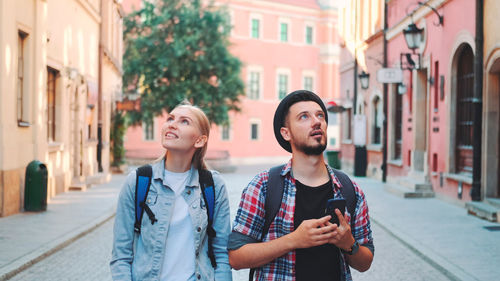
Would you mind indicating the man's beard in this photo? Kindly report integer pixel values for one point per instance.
(312, 150)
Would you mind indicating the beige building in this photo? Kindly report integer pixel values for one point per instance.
(60, 70)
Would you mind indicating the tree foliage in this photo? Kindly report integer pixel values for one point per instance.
(177, 50)
(118, 128)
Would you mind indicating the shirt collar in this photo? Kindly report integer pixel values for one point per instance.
(287, 169)
(159, 173)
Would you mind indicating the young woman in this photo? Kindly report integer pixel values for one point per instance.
(175, 247)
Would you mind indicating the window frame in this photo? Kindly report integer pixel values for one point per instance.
(464, 121)
(288, 24)
(398, 127)
(21, 98)
(146, 133)
(257, 123)
(260, 82)
(52, 81)
(376, 104)
(311, 26)
(223, 129)
(283, 72)
(259, 18)
(309, 74)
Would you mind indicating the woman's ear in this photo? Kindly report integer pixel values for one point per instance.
(201, 141)
(285, 133)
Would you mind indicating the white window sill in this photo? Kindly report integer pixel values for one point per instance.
(55, 146)
(374, 147)
(395, 162)
(459, 177)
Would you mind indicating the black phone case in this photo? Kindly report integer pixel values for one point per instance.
(333, 204)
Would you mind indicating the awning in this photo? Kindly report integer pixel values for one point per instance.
(332, 106)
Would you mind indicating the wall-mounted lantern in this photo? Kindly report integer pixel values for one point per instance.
(364, 79)
(401, 88)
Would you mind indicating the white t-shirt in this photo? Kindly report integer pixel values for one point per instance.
(179, 260)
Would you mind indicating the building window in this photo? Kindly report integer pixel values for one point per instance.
(398, 126)
(52, 75)
(256, 28)
(309, 35)
(465, 121)
(225, 132)
(284, 32)
(308, 83)
(254, 131)
(21, 65)
(436, 86)
(282, 85)
(377, 126)
(149, 130)
(254, 86)
(347, 124)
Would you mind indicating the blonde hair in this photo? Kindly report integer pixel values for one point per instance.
(203, 124)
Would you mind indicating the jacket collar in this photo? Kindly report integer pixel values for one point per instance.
(159, 173)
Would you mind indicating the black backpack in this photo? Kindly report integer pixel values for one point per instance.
(274, 197)
(142, 184)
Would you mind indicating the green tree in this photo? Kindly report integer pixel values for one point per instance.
(177, 50)
(118, 128)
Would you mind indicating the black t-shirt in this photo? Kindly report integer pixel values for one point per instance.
(320, 262)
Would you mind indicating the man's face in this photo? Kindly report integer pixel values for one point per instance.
(305, 128)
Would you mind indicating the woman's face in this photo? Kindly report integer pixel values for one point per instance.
(180, 132)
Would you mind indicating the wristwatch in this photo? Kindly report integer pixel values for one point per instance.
(354, 249)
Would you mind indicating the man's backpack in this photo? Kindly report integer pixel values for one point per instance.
(142, 184)
(274, 197)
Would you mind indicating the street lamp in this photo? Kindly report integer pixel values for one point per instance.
(364, 79)
(413, 36)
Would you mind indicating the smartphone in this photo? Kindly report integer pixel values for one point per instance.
(331, 205)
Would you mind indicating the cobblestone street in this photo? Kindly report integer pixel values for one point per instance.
(88, 257)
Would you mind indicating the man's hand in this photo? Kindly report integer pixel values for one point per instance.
(341, 235)
(313, 232)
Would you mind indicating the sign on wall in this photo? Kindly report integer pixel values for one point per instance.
(390, 75)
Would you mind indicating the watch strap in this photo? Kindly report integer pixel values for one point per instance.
(354, 249)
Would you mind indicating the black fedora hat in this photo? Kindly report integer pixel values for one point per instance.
(282, 110)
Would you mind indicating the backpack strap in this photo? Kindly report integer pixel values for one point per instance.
(208, 191)
(274, 196)
(142, 184)
(348, 193)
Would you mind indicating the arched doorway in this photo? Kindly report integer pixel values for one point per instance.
(491, 136)
(462, 112)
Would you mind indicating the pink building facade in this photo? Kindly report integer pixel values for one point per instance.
(429, 116)
(430, 144)
(284, 45)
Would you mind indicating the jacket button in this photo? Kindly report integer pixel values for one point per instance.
(188, 192)
(199, 277)
(198, 229)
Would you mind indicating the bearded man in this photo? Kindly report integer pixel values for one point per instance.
(301, 243)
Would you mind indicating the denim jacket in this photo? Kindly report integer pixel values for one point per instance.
(140, 256)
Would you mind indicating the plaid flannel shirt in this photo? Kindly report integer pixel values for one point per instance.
(249, 221)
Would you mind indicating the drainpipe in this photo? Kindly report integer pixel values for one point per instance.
(355, 90)
(385, 89)
(475, 192)
(99, 95)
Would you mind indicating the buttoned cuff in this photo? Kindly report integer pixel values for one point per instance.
(237, 240)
